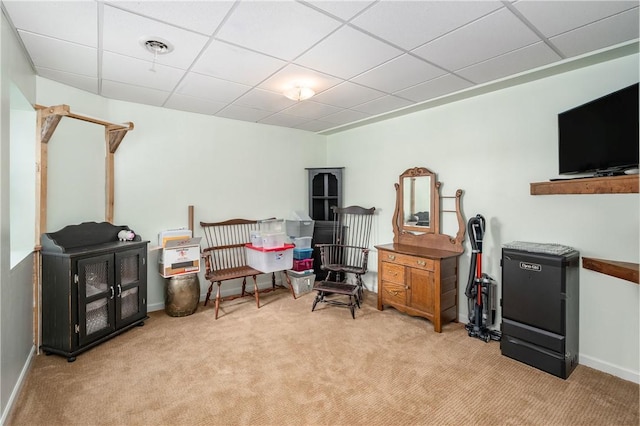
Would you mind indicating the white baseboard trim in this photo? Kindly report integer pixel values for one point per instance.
(588, 361)
(224, 290)
(18, 386)
(606, 367)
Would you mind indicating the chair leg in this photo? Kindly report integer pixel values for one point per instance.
(218, 299)
(316, 300)
(256, 292)
(352, 307)
(206, 299)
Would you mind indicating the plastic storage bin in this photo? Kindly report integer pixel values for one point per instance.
(273, 240)
(301, 282)
(271, 226)
(270, 260)
(302, 253)
(300, 228)
(302, 242)
(302, 265)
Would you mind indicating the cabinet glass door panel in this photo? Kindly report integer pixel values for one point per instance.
(129, 303)
(130, 283)
(95, 298)
(129, 269)
(97, 316)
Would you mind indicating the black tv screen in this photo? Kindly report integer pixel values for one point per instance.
(600, 136)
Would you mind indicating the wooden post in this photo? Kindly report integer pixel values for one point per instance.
(191, 219)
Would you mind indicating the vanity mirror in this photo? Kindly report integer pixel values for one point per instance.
(416, 219)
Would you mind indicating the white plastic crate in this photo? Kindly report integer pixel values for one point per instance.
(270, 260)
(301, 283)
(302, 242)
(300, 228)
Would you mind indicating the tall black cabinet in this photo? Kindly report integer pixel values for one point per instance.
(325, 192)
(94, 287)
(540, 306)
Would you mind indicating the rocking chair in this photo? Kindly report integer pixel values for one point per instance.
(348, 254)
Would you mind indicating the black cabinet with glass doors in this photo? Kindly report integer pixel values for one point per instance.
(94, 287)
(325, 192)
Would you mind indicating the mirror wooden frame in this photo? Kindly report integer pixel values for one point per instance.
(428, 237)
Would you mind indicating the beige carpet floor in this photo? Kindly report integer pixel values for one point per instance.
(284, 365)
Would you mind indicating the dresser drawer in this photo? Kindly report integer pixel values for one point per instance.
(392, 272)
(393, 293)
(407, 260)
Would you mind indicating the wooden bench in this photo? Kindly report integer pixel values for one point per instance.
(225, 258)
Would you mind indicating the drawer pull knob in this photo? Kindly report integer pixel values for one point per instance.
(421, 262)
(392, 257)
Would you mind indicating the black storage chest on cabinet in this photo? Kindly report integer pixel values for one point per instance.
(93, 287)
(540, 306)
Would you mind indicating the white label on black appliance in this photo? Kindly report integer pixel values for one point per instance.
(530, 266)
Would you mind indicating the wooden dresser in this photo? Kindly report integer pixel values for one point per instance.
(418, 272)
(419, 281)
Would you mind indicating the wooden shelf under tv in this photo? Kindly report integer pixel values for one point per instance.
(627, 184)
(624, 270)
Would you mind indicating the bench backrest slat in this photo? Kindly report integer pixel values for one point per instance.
(226, 242)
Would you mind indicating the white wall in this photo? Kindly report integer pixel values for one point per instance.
(16, 288)
(225, 168)
(492, 146)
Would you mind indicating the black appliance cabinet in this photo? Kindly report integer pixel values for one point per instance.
(94, 287)
(540, 306)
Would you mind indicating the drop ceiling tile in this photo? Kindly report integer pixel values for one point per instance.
(347, 94)
(234, 63)
(514, 62)
(60, 55)
(283, 29)
(191, 104)
(347, 53)
(237, 112)
(342, 9)
(345, 116)
(127, 92)
(265, 100)
(434, 88)
(398, 73)
(422, 21)
(72, 21)
(311, 110)
(293, 75)
(601, 34)
(201, 16)
(555, 17)
(282, 119)
(478, 41)
(214, 89)
(88, 84)
(126, 69)
(382, 105)
(125, 33)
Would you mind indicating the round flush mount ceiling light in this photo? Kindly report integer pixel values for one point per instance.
(299, 93)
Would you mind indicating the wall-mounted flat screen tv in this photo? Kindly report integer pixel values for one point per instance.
(600, 136)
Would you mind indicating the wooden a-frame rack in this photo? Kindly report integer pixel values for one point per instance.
(48, 119)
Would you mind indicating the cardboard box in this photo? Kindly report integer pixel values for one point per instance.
(173, 235)
(180, 257)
